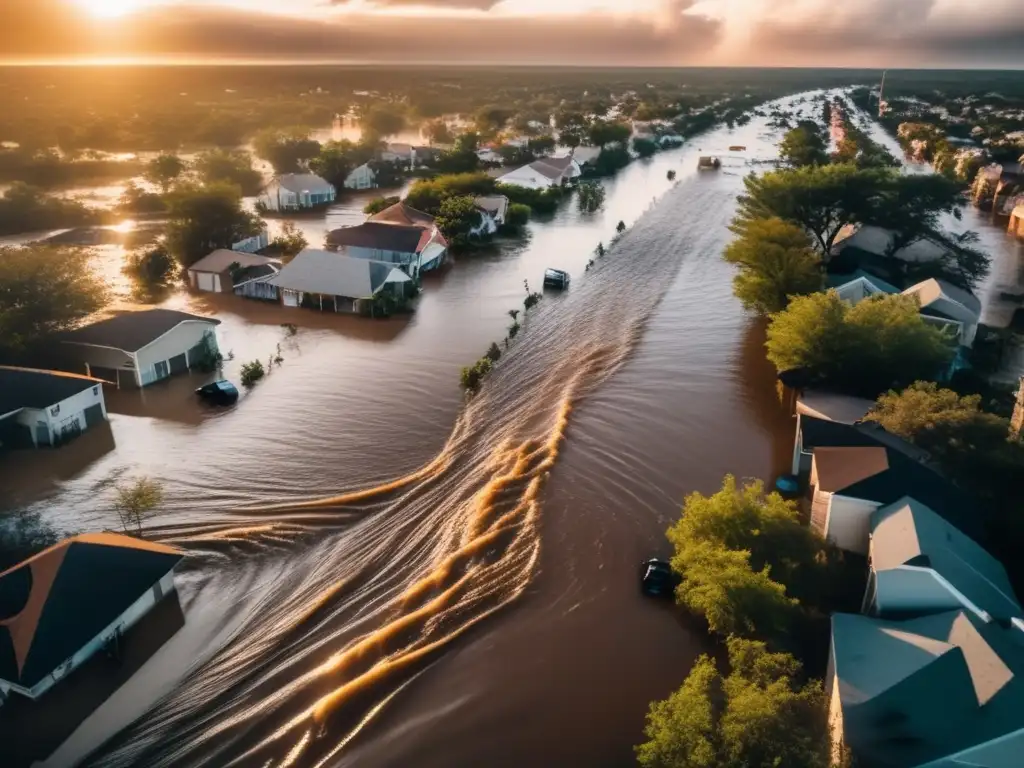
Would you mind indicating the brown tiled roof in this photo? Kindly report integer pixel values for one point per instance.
(839, 468)
(400, 213)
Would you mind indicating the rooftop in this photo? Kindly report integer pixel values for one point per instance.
(839, 468)
(131, 331)
(222, 259)
(54, 603)
(400, 213)
(304, 182)
(379, 235)
(939, 294)
(34, 388)
(335, 274)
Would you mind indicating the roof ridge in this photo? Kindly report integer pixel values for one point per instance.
(49, 372)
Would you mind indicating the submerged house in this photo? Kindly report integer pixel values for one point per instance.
(337, 282)
(544, 173)
(938, 691)
(222, 271)
(297, 192)
(417, 246)
(493, 210)
(47, 407)
(63, 606)
(135, 349)
(362, 177)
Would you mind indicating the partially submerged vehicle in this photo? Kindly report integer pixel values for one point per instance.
(221, 392)
(737, 148)
(556, 278)
(709, 163)
(657, 579)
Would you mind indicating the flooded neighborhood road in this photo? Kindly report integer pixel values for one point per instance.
(380, 573)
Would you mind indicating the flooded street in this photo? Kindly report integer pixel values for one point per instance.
(383, 573)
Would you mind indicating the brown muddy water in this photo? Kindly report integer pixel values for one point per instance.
(382, 573)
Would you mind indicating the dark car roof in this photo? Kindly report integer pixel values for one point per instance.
(131, 331)
(33, 388)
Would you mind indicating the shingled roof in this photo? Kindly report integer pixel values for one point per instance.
(400, 213)
(378, 235)
(33, 388)
(131, 331)
(56, 602)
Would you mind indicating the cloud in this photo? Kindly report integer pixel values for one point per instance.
(461, 5)
(203, 31)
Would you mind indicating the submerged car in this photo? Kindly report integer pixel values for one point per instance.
(556, 278)
(657, 578)
(221, 392)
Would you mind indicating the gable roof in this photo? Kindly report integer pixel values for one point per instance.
(221, 260)
(335, 274)
(131, 331)
(400, 213)
(304, 182)
(379, 236)
(34, 388)
(552, 167)
(838, 281)
(908, 532)
(876, 241)
(56, 602)
(946, 298)
(833, 406)
(495, 205)
(925, 689)
(841, 467)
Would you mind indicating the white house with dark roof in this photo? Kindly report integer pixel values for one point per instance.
(417, 247)
(222, 270)
(328, 280)
(544, 173)
(946, 305)
(297, 192)
(135, 349)
(40, 408)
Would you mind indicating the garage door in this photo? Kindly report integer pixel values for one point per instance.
(179, 363)
(205, 282)
(93, 415)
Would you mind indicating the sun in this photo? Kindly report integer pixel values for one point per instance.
(110, 9)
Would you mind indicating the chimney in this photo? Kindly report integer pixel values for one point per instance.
(1017, 419)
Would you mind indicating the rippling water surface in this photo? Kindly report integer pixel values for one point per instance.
(382, 573)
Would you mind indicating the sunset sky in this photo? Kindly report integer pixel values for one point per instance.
(875, 33)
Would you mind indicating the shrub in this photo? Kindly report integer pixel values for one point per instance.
(532, 300)
(252, 372)
(493, 353)
(472, 376)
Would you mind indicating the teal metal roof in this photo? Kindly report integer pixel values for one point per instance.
(835, 281)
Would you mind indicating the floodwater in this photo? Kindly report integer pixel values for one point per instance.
(381, 572)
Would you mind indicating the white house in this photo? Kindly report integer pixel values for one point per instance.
(296, 192)
(328, 280)
(946, 305)
(398, 152)
(362, 177)
(253, 244)
(544, 173)
(222, 270)
(492, 209)
(139, 348)
(400, 235)
(47, 407)
(489, 155)
(73, 600)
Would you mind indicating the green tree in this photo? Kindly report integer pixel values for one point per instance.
(204, 218)
(289, 242)
(437, 132)
(517, 217)
(492, 118)
(644, 147)
(163, 170)
(379, 204)
(135, 201)
(337, 159)
(590, 195)
(151, 267)
(428, 194)
(572, 128)
(804, 145)
(821, 199)
(228, 166)
(44, 290)
(878, 344)
(382, 120)
(911, 206)
(288, 150)
(457, 217)
(760, 716)
(137, 500)
(603, 132)
(542, 145)
(24, 208)
(776, 261)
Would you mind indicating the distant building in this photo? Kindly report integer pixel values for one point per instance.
(297, 192)
(222, 271)
(362, 177)
(544, 173)
(135, 349)
(63, 606)
(40, 408)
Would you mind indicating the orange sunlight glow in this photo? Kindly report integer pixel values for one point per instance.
(110, 9)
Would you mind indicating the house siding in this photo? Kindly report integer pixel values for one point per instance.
(377, 254)
(849, 523)
(62, 419)
(122, 623)
(175, 342)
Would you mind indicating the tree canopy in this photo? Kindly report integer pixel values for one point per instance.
(337, 159)
(44, 290)
(457, 217)
(289, 242)
(229, 166)
(382, 120)
(163, 170)
(759, 716)
(880, 343)
(776, 261)
(288, 150)
(644, 147)
(429, 194)
(804, 145)
(205, 218)
(603, 132)
(24, 208)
